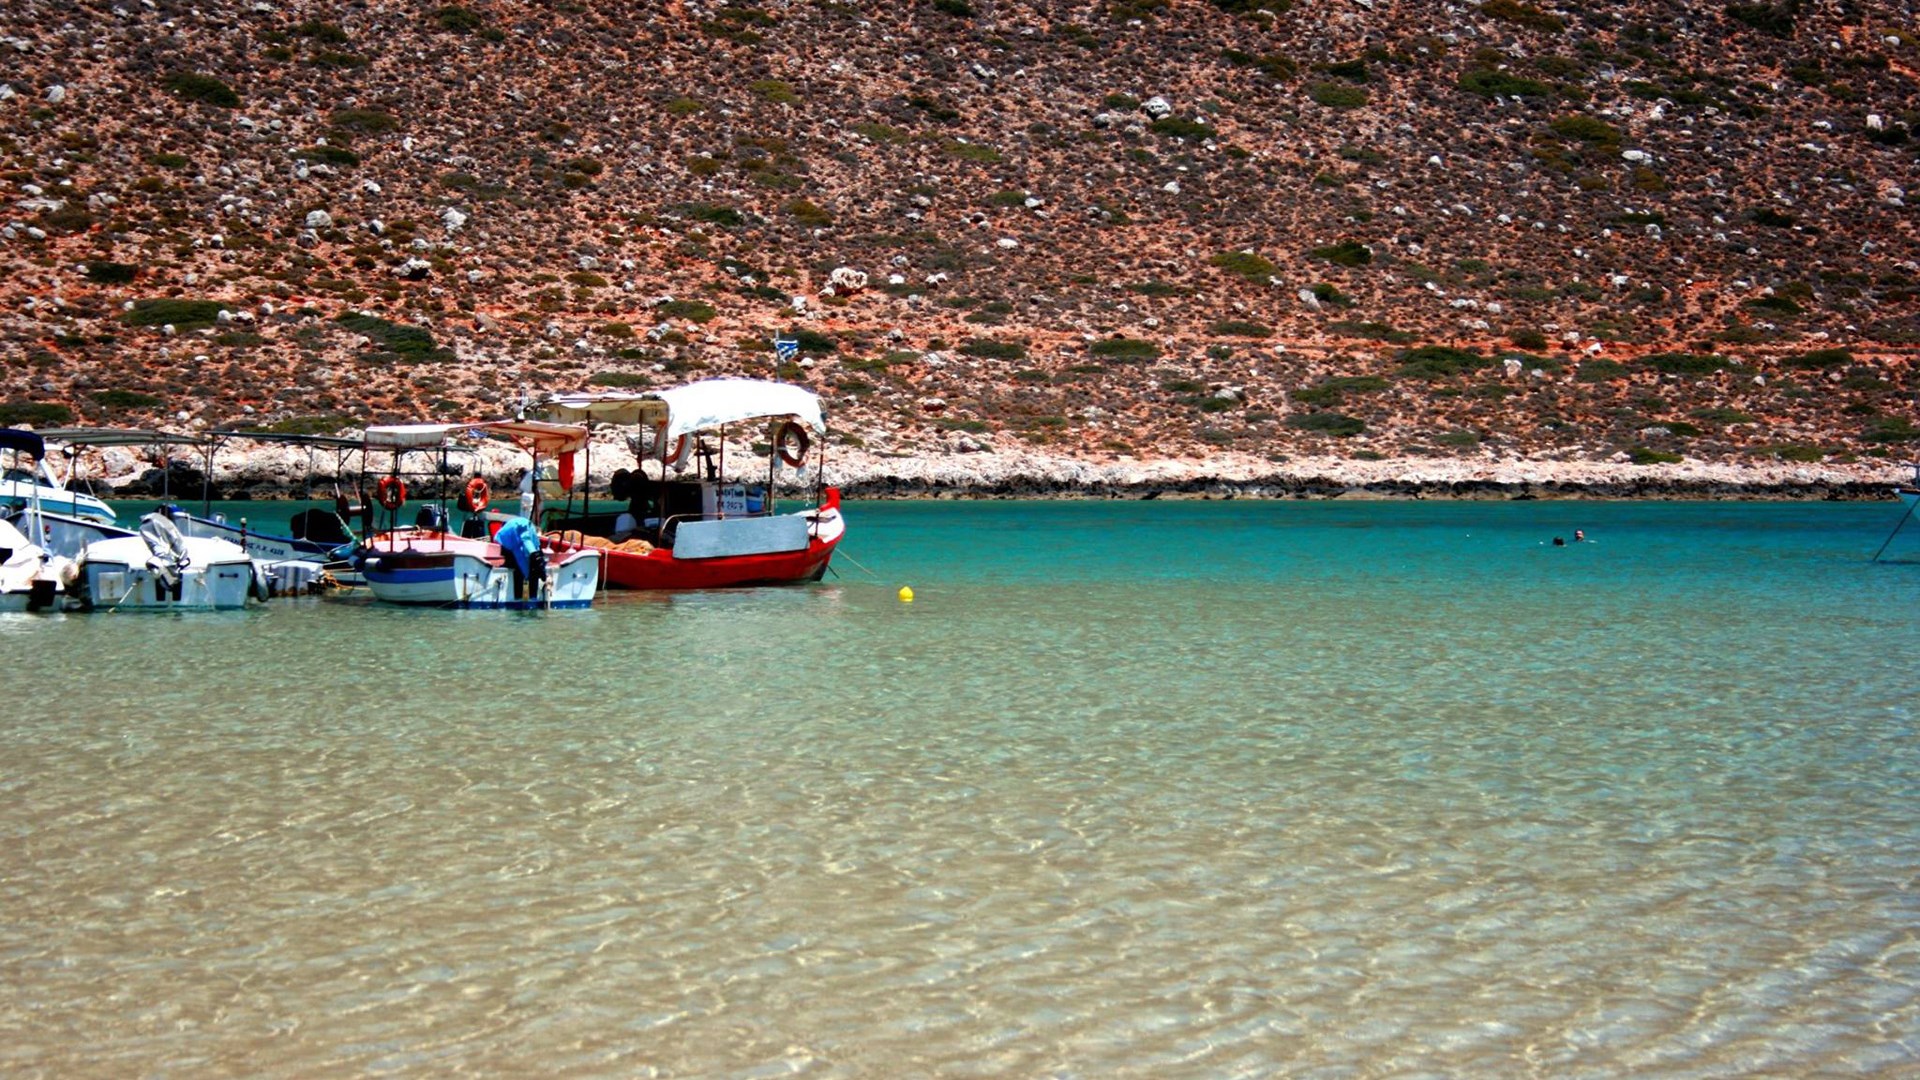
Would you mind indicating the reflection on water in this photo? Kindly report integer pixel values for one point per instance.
(1202, 790)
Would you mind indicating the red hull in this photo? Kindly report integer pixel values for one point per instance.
(658, 569)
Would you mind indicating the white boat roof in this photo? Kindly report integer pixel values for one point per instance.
(538, 436)
(697, 406)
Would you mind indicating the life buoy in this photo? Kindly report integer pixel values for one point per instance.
(391, 491)
(670, 453)
(476, 496)
(793, 443)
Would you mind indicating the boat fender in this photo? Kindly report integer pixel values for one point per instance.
(621, 486)
(793, 444)
(476, 496)
(391, 491)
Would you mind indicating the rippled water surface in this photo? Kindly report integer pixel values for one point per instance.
(1132, 789)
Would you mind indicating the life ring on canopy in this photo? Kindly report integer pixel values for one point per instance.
(391, 491)
(476, 495)
(670, 453)
(792, 442)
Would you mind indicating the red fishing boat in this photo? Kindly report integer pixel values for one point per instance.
(694, 525)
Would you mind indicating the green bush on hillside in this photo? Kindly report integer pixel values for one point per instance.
(195, 86)
(1253, 267)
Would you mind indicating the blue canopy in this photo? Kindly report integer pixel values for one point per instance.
(28, 441)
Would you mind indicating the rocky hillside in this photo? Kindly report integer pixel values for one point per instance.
(1147, 228)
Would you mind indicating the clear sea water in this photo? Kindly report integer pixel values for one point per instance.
(1153, 789)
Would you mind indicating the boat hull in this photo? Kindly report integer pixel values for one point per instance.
(221, 586)
(659, 570)
(115, 575)
(263, 546)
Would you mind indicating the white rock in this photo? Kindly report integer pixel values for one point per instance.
(453, 218)
(319, 219)
(56, 94)
(1006, 243)
(370, 187)
(1171, 187)
(1638, 157)
(1157, 107)
(1512, 367)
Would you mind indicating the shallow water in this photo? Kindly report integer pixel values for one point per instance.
(1131, 789)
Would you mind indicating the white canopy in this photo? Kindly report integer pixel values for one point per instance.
(697, 406)
(535, 435)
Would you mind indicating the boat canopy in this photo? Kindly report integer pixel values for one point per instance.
(124, 437)
(331, 442)
(535, 435)
(25, 442)
(698, 406)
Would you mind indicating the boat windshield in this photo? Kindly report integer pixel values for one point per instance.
(19, 476)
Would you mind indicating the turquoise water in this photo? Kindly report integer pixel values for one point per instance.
(1131, 789)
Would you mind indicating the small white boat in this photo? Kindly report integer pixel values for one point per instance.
(30, 578)
(161, 570)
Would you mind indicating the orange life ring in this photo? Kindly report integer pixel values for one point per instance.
(391, 491)
(670, 454)
(793, 443)
(476, 496)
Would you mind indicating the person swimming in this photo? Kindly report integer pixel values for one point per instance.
(1579, 536)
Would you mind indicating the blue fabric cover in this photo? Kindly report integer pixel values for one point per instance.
(519, 540)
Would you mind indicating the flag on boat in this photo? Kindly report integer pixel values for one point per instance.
(786, 348)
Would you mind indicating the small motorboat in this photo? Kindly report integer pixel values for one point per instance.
(24, 485)
(30, 578)
(489, 563)
(160, 569)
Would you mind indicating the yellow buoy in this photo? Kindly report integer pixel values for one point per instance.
(906, 594)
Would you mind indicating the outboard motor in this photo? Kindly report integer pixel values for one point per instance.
(169, 550)
(431, 516)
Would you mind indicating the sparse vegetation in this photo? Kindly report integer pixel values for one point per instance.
(401, 339)
(203, 88)
(1351, 253)
(1125, 348)
(1248, 265)
(1336, 424)
(180, 314)
(1441, 362)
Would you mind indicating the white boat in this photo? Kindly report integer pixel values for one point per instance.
(159, 569)
(488, 564)
(35, 485)
(30, 578)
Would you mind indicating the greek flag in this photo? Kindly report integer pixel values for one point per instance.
(786, 348)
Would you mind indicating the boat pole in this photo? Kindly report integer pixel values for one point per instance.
(1904, 517)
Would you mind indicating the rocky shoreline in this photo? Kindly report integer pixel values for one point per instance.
(244, 472)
